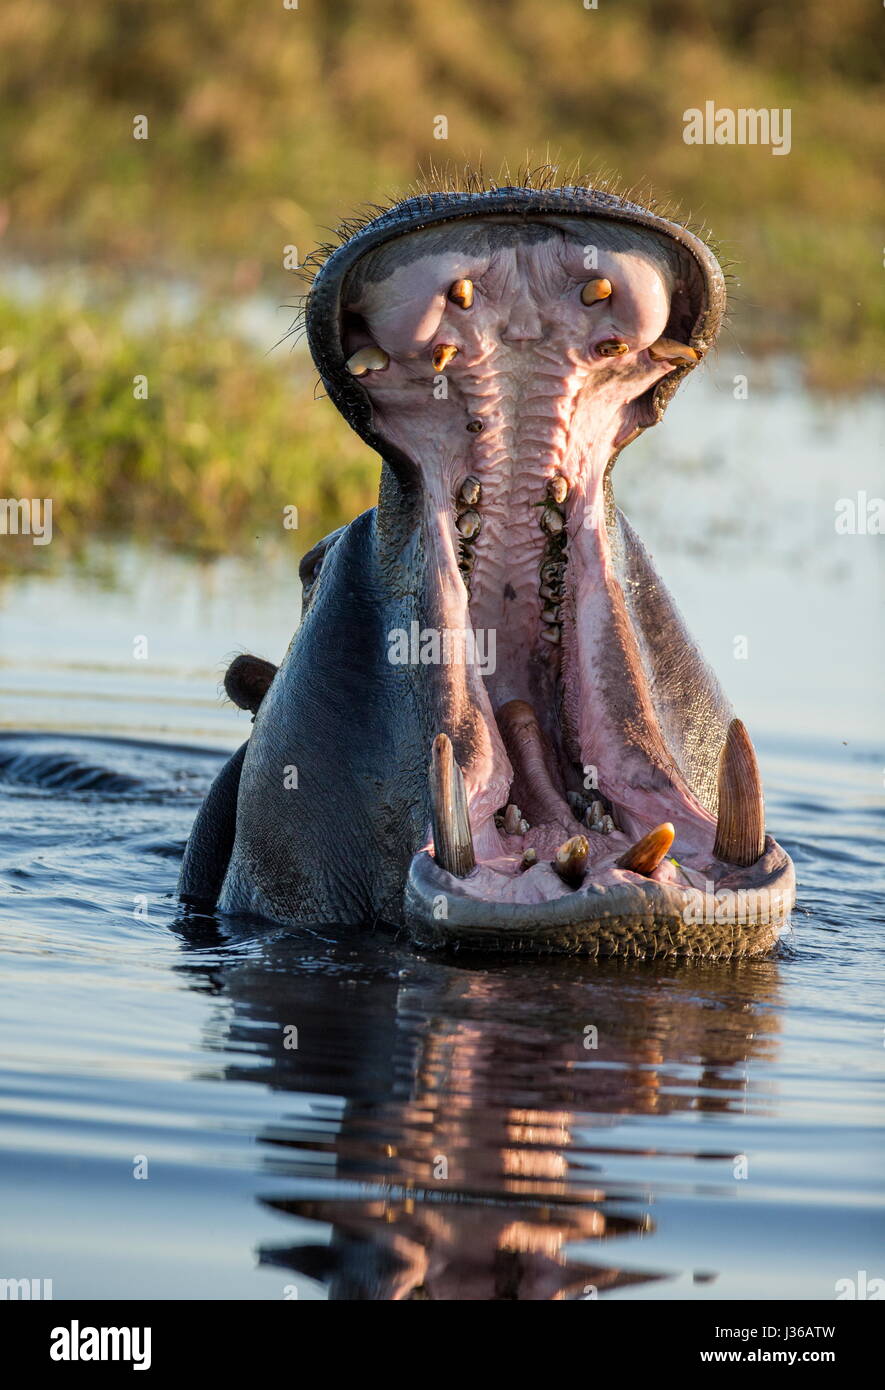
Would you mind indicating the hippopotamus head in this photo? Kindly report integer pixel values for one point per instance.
(529, 751)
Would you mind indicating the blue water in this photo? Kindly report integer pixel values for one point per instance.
(440, 1130)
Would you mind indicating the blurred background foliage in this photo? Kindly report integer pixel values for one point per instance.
(267, 125)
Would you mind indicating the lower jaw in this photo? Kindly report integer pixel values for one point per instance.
(475, 891)
(642, 919)
(493, 900)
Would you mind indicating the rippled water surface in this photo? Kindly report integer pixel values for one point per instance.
(440, 1129)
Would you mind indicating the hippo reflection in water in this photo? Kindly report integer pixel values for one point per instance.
(492, 726)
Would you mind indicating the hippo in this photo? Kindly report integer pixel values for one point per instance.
(492, 729)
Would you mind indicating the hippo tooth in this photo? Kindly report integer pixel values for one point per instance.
(469, 524)
(367, 359)
(461, 293)
(552, 521)
(529, 858)
(570, 860)
(578, 804)
(595, 813)
(524, 827)
(668, 350)
(740, 829)
(594, 290)
(512, 817)
(612, 347)
(442, 356)
(551, 635)
(452, 837)
(606, 825)
(557, 487)
(552, 571)
(470, 491)
(551, 614)
(645, 856)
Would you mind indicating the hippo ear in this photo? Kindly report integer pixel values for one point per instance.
(247, 681)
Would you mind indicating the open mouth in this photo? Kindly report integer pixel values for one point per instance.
(589, 787)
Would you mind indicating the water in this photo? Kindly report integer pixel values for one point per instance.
(441, 1130)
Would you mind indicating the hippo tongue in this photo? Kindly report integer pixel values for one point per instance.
(532, 758)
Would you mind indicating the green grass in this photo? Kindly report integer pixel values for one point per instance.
(267, 125)
(226, 439)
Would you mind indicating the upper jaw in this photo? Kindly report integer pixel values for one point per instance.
(545, 382)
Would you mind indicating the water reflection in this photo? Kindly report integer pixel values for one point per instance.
(453, 1124)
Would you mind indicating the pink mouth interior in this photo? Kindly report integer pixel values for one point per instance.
(529, 372)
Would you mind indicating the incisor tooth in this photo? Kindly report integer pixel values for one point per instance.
(595, 290)
(442, 356)
(645, 856)
(740, 828)
(452, 837)
(570, 860)
(669, 350)
(367, 359)
(461, 293)
(612, 347)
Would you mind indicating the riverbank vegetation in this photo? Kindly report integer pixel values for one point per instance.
(266, 124)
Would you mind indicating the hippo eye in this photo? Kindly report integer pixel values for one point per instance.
(461, 293)
(594, 290)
